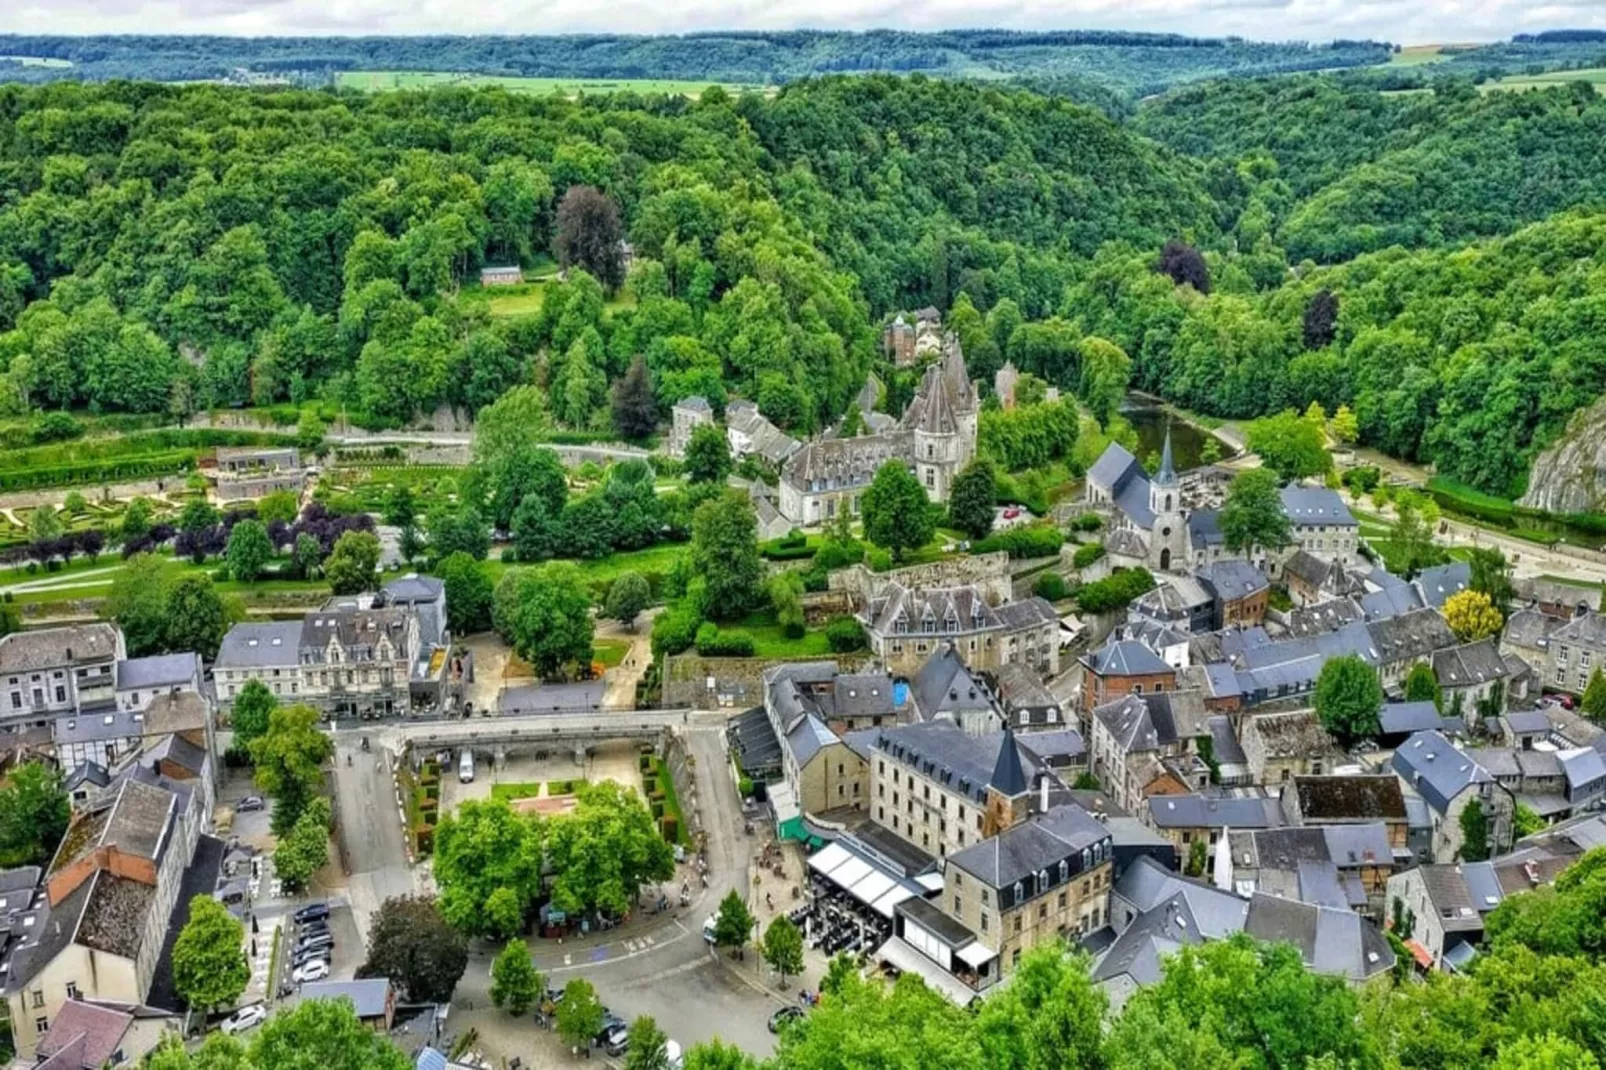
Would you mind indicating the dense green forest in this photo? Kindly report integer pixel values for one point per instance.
(1139, 63)
(1431, 259)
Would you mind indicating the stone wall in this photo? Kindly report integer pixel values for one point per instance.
(681, 771)
(990, 572)
(738, 683)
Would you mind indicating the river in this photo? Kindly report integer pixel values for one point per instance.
(1149, 419)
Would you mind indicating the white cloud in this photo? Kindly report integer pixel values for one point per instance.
(1407, 21)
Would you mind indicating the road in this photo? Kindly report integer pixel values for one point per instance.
(373, 851)
(657, 965)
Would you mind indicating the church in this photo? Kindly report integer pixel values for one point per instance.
(1148, 511)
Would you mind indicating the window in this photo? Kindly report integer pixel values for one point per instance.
(1062, 901)
(41, 1025)
(1017, 924)
(984, 921)
(16, 700)
(38, 997)
(61, 693)
(72, 990)
(959, 906)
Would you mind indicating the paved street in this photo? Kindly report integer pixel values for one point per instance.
(370, 833)
(657, 965)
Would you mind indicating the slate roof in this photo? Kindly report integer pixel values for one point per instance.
(1113, 466)
(1469, 665)
(1413, 635)
(1584, 769)
(1126, 658)
(182, 711)
(157, 671)
(807, 737)
(1308, 568)
(1436, 769)
(1404, 717)
(256, 644)
(767, 440)
(963, 607)
(945, 686)
(1349, 798)
(1529, 629)
(694, 403)
(368, 996)
(1441, 581)
(1204, 529)
(96, 727)
(1027, 613)
(1029, 846)
(1586, 629)
(1054, 744)
(1021, 688)
(1233, 579)
(944, 752)
(1213, 811)
(50, 648)
(179, 751)
(1330, 941)
(1008, 777)
(1390, 602)
(1313, 506)
(413, 589)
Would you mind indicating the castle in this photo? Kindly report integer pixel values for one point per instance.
(936, 438)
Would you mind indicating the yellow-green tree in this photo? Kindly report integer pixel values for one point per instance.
(1472, 616)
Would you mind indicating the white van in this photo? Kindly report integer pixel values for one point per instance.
(708, 928)
(465, 765)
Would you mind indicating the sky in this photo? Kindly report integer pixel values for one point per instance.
(1401, 21)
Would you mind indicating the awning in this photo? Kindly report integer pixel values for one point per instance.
(909, 960)
(871, 886)
(931, 882)
(850, 872)
(1424, 958)
(828, 858)
(976, 954)
(891, 899)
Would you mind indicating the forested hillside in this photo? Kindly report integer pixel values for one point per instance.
(1138, 63)
(1432, 260)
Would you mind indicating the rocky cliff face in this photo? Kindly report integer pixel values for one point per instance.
(1570, 476)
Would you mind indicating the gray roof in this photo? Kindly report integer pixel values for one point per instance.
(1316, 506)
(1113, 466)
(50, 648)
(1441, 581)
(1323, 617)
(1055, 743)
(157, 671)
(179, 751)
(1008, 777)
(1438, 771)
(945, 686)
(807, 737)
(256, 644)
(1173, 912)
(1020, 687)
(1405, 717)
(368, 996)
(1293, 734)
(1588, 629)
(1585, 769)
(1349, 798)
(1233, 579)
(767, 440)
(1030, 846)
(1307, 567)
(1204, 529)
(1224, 742)
(1213, 811)
(1524, 722)
(1330, 941)
(1469, 665)
(1126, 658)
(97, 727)
(695, 403)
(946, 753)
(413, 588)
(1390, 602)
(177, 711)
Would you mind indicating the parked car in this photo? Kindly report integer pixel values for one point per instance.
(314, 928)
(310, 953)
(610, 1023)
(780, 1018)
(316, 970)
(311, 912)
(245, 1018)
(316, 943)
(618, 1042)
(249, 803)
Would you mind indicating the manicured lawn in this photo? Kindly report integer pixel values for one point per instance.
(654, 559)
(85, 579)
(609, 652)
(515, 790)
(666, 784)
(1595, 76)
(769, 641)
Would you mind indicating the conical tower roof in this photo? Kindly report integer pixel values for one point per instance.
(1168, 471)
(1008, 779)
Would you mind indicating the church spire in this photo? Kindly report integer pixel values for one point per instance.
(1168, 471)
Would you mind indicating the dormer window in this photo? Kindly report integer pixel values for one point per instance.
(1020, 891)
(1065, 870)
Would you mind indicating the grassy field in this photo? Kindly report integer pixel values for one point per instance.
(526, 298)
(1596, 76)
(516, 790)
(37, 61)
(568, 87)
(1416, 55)
(609, 652)
(769, 641)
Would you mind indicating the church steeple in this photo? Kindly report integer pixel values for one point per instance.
(1168, 472)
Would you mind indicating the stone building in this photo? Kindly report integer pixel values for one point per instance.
(1575, 650)
(1005, 380)
(1280, 746)
(1043, 880)
(1450, 781)
(55, 671)
(936, 438)
(686, 416)
(906, 626)
(250, 472)
(1124, 667)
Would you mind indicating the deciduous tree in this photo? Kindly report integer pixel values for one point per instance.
(708, 455)
(249, 550)
(635, 404)
(580, 1014)
(515, 982)
(971, 501)
(724, 554)
(34, 813)
(350, 566)
(1253, 513)
(544, 614)
(482, 850)
(588, 235)
(783, 947)
(1422, 685)
(304, 850)
(627, 597)
(1471, 615)
(733, 925)
(649, 1046)
(289, 759)
(410, 942)
(1349, 698)
(469, 594)
(896, 511)
(210, 968)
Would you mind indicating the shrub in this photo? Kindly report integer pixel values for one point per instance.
(1050, 585)
(714, 642)
(1089, 522)
(844, 635)
(1086, 555)
(880, 560)
(1034, 540)
(1115, 591)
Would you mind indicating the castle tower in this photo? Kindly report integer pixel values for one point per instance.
(1008, 795)
(1168, 540)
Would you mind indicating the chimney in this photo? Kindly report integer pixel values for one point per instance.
(1043, 797)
